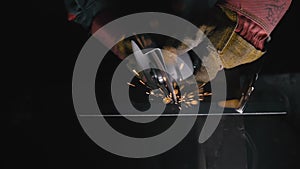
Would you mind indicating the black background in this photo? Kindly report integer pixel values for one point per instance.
(39, 53)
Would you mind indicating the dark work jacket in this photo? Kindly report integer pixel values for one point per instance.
(83, 11)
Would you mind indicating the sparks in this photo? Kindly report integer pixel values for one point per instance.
(130, 84)
(135, 72)
(142, 82)
(181, 66)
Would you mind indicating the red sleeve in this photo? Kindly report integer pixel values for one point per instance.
(258, 18)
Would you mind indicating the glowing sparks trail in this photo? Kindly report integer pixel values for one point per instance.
(181, 66)
(142, 82)
(135, 72)
(183, 99)
(130, 84)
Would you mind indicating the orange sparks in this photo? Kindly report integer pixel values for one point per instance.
(135, 72)
(142, 82)
(130, 84)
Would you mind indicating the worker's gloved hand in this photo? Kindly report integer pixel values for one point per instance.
(238, 31)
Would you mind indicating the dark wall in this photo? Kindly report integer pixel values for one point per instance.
(42, 46)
